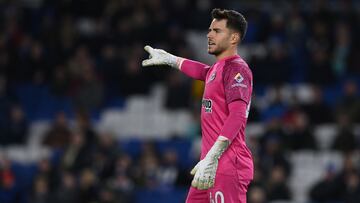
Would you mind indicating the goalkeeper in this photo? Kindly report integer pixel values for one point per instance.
(226, 166)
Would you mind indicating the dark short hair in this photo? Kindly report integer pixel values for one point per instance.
(235, 20)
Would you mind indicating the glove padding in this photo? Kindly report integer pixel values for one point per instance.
(205, 171)
(204, 174)
(160, 57)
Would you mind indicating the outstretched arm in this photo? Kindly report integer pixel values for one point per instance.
(191, 68)
(194, 69)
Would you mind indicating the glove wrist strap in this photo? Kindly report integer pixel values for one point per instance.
(218, 148)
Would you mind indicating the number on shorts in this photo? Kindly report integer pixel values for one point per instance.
(218, 195)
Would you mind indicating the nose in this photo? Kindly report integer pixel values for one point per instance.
(209, 35)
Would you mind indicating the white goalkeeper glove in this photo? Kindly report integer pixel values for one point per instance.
(204, 172)
(161, 57)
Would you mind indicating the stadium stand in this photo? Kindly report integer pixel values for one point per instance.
(82, 121)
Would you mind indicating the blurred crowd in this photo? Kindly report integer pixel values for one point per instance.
(90, 53)
(91, 167)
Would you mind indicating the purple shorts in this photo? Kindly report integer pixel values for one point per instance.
(227, 189)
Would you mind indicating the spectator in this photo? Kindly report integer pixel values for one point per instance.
(41, 193)
(105, 156)
(60, 82)
(318, 110)
(327, 189)
(88, 186)
(90, 93)
(352, 193)
(340, 187)
(347, 179)
(37, 61)
(16, 129)
(276, 107)
(277, 63)
(9, 189)
(148, 167)
(342, 49)
(133, 78)
(277, 188)
(79, 62)
(349, 103)
(83, 123)
(297, 35)
(58, 136)
(47, 171)
(274, 132)
(299, 134)
(110, 67)
(354, 59)
(5, 104)
(169, 171)
(107, 195)
(178, 92)
(345, 140)
(67, 190)
(320, 69)
(122, 183)
(77, 154)
(273, 155)
(257, 194)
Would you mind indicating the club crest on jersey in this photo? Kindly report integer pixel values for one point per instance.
(212, 77)
(207, 104)
(238, 78)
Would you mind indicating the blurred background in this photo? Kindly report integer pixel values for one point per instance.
(81, 121)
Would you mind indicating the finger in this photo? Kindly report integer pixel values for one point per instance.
(207, 181)
(193, 171)
(206, 184)
(201, 184)
(194, 183)
(147, 62)
(211, 182)
(149, 49)
(201, 181)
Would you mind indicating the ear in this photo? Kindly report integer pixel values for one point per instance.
(235, 38)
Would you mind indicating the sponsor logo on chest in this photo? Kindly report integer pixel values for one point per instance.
(207, 104)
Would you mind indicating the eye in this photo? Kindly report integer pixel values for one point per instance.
(217, 30)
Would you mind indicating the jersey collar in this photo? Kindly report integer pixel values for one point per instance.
(228, 58)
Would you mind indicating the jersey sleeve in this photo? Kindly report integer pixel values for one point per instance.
(194, 69)
(236, 120)
(237, 83)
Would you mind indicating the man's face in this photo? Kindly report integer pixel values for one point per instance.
(218, 37)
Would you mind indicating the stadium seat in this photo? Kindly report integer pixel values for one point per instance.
(161, 196)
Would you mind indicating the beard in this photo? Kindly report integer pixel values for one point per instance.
(217, 50)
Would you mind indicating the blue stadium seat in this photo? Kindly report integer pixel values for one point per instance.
(161, 196)
(25, 174)
(332, 94)
(132, 147)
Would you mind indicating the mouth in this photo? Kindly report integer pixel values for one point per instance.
(211, 43)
